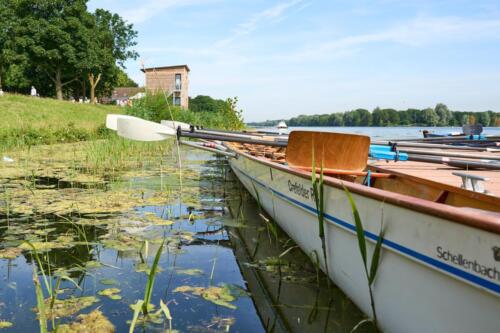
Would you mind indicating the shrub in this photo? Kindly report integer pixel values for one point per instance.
(154, 107)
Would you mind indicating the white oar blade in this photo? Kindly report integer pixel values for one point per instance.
(143, 130)
(175, 124)
(112, 120)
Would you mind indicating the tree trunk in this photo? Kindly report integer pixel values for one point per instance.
(76, 92)
(84, 89)
(58, 83)
(1, 73)
(93, 83)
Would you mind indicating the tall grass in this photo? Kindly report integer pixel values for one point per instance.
(151, 280)
(318, 190)
(117, 154)
(375, 260)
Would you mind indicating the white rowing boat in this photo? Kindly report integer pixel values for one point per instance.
(440, 259)
(440, 265)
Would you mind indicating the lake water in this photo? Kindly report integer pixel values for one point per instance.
(97, 214)
(387, 133)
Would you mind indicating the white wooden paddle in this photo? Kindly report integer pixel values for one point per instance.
(143, 130)
(175, 124)
(112, 120)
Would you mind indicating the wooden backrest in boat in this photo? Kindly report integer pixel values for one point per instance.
(337, 151)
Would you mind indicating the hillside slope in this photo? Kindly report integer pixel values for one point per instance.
(28, 121)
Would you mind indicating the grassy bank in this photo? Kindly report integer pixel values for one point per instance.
(28, 121)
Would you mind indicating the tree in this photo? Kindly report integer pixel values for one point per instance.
(365, 117)
(203, 103)
(444, 114)
(392, 117)
(483, 118)
(430, 116)
(380, 117)
(55, 37)
(110, 40)
(123, 80)
(5, 33)
(14, 63)
(336, 119)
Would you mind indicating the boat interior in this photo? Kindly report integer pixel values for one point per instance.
(440, 183)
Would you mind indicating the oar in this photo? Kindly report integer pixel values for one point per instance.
(455, 163)
(338, 151)
(285, 138)
(144, 130)
(432, 145)
(190, 128)
(139, 129)
(449, 154)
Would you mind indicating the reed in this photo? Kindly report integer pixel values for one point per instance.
(167, 314)
(151, 280)
(375, 260)
(137, 310)
(318, 190)
(42, 318)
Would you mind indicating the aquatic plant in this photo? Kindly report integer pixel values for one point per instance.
(151, 280)
(42, 318)
(51, 306)
(5, 324)
(137, 307)
(94, 322)
(375, 260)
(168, 315)
(318, 190)
(271, 227)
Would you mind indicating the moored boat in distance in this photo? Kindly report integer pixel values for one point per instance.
(282, 127)
(440, 260)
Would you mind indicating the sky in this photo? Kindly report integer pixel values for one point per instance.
(290, 57)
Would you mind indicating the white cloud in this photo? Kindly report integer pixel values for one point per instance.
(418, 32)
(139, 12)
(269, 14)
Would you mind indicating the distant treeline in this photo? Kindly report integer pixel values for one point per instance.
(438, 116)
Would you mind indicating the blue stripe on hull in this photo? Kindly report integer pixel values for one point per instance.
(388, 243)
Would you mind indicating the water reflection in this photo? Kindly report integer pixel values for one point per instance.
(220, 270)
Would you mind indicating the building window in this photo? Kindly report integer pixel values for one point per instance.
(177, 100)
(177, 81)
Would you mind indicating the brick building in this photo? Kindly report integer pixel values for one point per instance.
(172, 79)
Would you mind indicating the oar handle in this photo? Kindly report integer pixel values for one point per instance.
(217, 137)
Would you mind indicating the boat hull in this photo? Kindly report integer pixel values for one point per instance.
(435, 275)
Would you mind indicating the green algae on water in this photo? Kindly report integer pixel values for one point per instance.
(111, 293)
(94, 322)
(5, 324)
(218, 295)
(69, 306)
(10, 253)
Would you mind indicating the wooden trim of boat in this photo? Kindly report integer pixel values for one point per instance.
(441, 186)
(485, 220)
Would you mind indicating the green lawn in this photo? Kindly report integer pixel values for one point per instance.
(26, 120)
